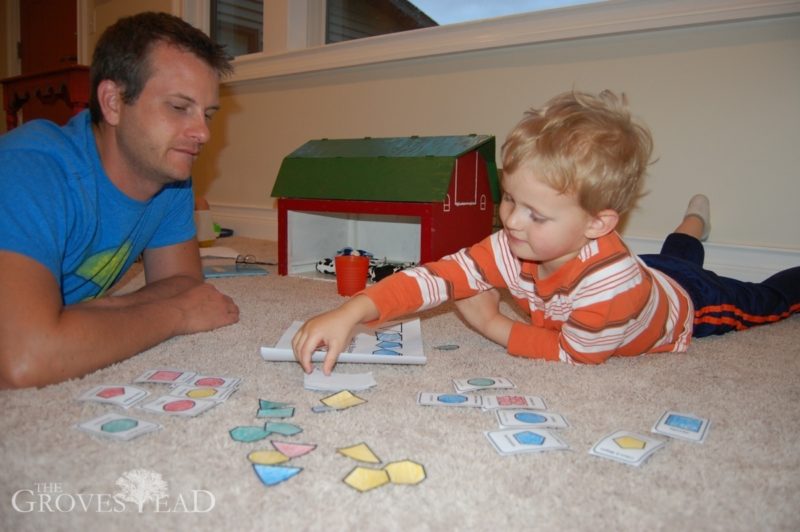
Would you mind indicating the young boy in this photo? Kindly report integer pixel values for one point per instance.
(571, 169)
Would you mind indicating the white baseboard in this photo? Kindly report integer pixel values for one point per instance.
(747, 263)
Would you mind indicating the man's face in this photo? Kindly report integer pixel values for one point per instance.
(160, 134)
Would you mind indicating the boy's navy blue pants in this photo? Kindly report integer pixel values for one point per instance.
(723, 304)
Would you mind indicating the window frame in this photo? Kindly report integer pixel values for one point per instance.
(580, 21)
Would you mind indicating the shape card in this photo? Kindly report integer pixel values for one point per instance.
(213, 381)
(627, 447)
(178, 406)
(115, 394)
(481, 383)
(530, 418)
(513, 441)
(448, 399)
(117, 427)
(208, 393)
(530, 402)
(682, 426)
(336, 382)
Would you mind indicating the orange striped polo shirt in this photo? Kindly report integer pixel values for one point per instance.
(605, 302)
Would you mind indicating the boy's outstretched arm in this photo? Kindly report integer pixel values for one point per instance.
(332, 329)
(482, 313)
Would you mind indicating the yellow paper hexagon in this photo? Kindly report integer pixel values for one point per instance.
(364, 479)
(405, 472)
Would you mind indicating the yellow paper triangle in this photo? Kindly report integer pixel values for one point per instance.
(360, 452)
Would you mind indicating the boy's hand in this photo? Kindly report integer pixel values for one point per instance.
(334, 330)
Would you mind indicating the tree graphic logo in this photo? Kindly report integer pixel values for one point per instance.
(141, 485)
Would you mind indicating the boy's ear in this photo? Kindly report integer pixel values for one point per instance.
(109, 96)
(603, 223)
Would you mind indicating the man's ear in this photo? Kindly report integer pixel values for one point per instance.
(602, 223)
(109, 96)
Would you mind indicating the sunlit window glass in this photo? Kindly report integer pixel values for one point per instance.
(356, 19)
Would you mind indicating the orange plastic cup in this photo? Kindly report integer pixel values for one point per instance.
(351, 274)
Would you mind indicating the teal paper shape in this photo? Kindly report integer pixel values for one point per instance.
(276, 412)
(249, 434)
(287, 429)
(272, 475)
(263, 404)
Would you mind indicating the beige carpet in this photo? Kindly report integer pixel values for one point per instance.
(746, 476)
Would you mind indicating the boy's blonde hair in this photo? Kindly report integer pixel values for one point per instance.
(583, 144)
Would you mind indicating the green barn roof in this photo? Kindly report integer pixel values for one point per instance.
(414, 169)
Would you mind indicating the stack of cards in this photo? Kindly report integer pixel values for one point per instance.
(190, 394)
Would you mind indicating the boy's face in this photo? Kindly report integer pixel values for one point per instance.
(542, 224)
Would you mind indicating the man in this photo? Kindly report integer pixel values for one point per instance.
(80, 203)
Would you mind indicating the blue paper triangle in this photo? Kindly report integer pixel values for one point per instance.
(272, 475)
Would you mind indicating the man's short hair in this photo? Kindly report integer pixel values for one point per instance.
(584, 144)
(123, 51)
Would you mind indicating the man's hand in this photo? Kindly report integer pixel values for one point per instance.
(204, 308)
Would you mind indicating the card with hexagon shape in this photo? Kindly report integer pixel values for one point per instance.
(627, 447)
(527, 440)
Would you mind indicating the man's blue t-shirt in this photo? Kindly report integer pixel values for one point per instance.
(58, 207)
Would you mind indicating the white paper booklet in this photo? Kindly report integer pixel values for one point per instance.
(397, 342)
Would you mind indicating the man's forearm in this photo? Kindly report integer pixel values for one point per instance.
(156, 291)
(86, 337)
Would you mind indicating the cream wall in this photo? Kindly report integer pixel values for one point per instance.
(723, 102)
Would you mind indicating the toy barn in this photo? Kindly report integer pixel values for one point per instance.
(405, 199)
